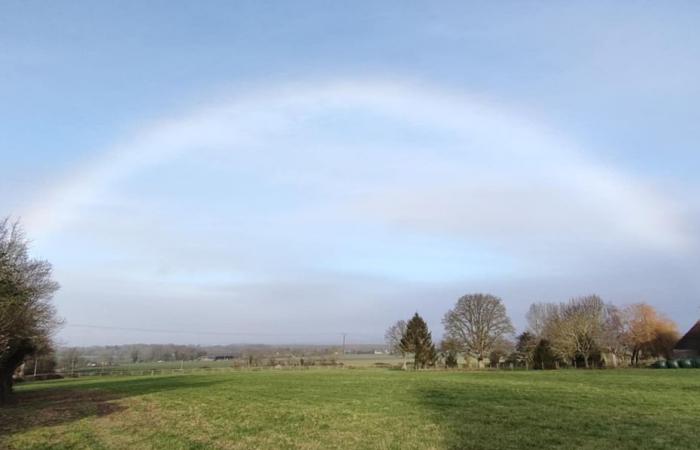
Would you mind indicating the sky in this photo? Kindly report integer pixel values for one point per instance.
(285, 172)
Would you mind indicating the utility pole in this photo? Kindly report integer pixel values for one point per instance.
(344, 334)
(36, 363)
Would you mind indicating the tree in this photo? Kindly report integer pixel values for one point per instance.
(27, 317)
(70, 358)
(664, 341)
(611, 339)
(585, 318)
(544, 357)
(393, 337)
(477, 322)
(645, 331)
(578, 329)
(449, 350)
(500, 350)
(525, 348)
(135, 355)
(559, 336)
(418, 340)
(40, 366)
(539, 316)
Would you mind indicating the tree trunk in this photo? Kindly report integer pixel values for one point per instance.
(13, 358)
(5, 385)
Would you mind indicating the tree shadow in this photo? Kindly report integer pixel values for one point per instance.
(571, 413)
(444, 407)
(55, 403)
(482, 416)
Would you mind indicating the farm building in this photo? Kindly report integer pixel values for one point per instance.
(689, 345)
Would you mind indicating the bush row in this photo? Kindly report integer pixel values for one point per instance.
(685, 363)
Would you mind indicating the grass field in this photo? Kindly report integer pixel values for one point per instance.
(363, 408)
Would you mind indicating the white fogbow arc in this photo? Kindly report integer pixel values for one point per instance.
(635, 211)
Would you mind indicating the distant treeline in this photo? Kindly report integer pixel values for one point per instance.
(70, 358)
(581, 332)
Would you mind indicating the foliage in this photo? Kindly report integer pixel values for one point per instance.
(27, 317)
(43, 365)
(525, 349)
(418, 340)
(646, 332)
(544, 357)
(500, 351)
(449, 351)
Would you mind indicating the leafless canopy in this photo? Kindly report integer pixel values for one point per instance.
(478, 322)
(393, 336)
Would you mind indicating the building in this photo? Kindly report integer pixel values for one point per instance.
(689, 345)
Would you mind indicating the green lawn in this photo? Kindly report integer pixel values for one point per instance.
(363, 408)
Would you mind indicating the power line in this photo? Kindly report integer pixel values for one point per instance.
(212, 333)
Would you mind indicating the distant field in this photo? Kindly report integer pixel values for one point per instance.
(171, 367)
(361, 409)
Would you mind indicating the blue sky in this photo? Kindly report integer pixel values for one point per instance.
(293, 170)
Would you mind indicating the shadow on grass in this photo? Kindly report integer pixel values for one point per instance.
(558, 416)
(482, 417)
(57, 404)
(446, 407)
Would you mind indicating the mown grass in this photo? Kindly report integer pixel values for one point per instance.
(361, 409)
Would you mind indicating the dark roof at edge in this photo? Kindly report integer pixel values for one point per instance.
(691, 340)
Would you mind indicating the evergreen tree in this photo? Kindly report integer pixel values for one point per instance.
(417, 340)
(525, 348)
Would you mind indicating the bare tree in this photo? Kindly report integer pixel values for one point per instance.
(559, 335)
(477, 323)
(539, 316)
(611, 339)
(71, 359)
(27, 317)
(578, 328)
(585, 316)
(393, 337)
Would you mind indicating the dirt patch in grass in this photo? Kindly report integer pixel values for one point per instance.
(46, 408)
